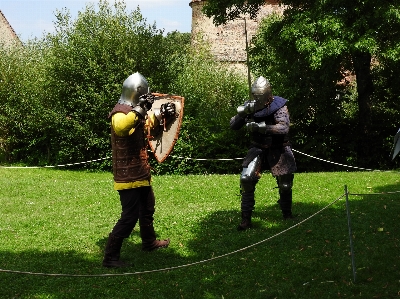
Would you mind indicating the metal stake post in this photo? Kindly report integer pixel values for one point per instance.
(350, 234)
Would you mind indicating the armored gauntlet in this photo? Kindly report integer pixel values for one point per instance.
(145, 103)
(165, 114)
(246, 108)
(257, 127)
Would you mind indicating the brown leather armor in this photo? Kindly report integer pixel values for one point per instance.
(129, 153)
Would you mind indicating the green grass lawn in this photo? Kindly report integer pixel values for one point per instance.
(57, 222)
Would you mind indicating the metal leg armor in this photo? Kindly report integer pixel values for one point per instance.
(285, 183)
(248, 180)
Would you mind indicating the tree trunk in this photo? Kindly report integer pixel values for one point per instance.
(362, 68)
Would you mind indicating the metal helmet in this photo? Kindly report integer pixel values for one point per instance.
(133, 87)
(262, 93)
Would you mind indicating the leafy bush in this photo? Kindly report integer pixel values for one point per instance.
(322, 94)
(66, 84)
(212, 93)
(25, 113)
(89, 60)
(56, 93)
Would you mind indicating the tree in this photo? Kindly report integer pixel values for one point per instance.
(332, 35)
(24, 118)
(56, 93)
(212, 92)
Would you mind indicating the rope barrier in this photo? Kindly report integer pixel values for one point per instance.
(180, 266)
(189, 158)
(382, 193)
(53, 166)
(206, 159)
(198, 262)
(344, 165)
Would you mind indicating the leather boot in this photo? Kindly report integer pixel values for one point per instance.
(287, 215)
(285, 203)
(112, 252)
(149, 242)
(246, 220)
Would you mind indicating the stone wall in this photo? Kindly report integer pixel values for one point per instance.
(7, 33)
(228, 42)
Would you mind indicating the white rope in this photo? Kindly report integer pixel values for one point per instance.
(53, 166)
(194, 263)
(203, 159)
(381, 193)
(344, 165)
(180, 266)
(193, 159)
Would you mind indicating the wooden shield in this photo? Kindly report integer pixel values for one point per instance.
(162, 141)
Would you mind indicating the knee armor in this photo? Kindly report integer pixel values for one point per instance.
(250, 175)
(285, 182)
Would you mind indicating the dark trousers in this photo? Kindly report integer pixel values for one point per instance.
(137, 204)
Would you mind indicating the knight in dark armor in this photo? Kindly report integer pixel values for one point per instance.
(266, 117)
(130, 122)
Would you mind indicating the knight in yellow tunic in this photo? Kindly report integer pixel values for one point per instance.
(131, 170)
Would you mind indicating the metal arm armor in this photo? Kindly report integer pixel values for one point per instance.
(260, 127)
(246, 108)
(140, 110)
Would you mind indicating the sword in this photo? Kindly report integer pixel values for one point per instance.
(250, 119)
(247, 59)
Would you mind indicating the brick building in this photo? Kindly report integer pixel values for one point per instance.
(228, 41)
(7, 33)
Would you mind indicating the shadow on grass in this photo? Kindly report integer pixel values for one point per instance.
(310, 260)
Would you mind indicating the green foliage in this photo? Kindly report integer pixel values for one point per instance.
(212, 92)
(25, 117)
(89, 59)
(78, 75)
(320, 123)
(222, 11)
(56, 93)
(57, 222)
(66, 84)
(318, 55)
